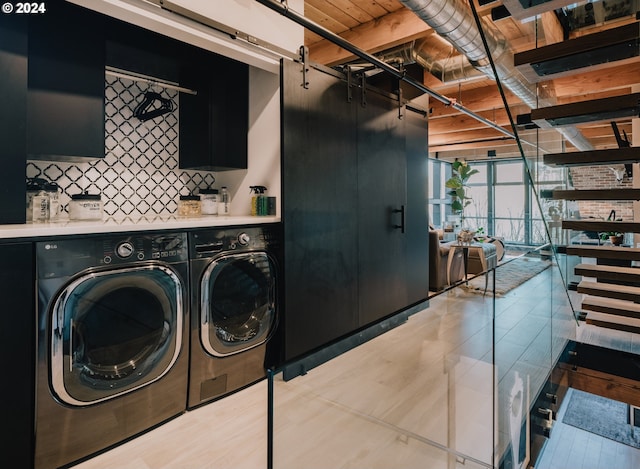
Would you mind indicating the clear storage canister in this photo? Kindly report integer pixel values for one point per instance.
(85, 207)
(53, 191)
(189, 206)
(209, 200)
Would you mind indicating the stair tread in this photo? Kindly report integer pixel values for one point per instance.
(609, 290)
(609, 286)
(603, 252)
(597, 194)
(613, 322)
(593, 157)
(597, 269)
(601, 225)
(611, 306)
(588, 111)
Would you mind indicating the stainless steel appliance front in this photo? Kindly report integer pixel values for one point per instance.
(234, 304)
(112, 341)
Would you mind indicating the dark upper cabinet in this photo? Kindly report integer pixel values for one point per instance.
(65, 111)
(142, 52)
(214, 123)
(13, 117)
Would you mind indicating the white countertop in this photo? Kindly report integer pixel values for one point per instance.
(112, 225)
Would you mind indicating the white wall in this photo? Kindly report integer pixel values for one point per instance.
(251, 17)
(263, 143)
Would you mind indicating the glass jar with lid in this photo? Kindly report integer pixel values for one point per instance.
(209, 199)
(189, 206)
(85, 206)
(53, 191)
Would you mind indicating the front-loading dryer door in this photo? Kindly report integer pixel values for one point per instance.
(237, 303)
(113, 331)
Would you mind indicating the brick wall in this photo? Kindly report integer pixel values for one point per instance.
(601, 177)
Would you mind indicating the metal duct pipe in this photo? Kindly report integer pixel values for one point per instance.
(446, 69)
(452, 19)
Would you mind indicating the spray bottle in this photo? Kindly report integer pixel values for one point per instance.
(258, 200)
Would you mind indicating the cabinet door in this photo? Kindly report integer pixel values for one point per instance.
(13, 117)
(17, 341)
(382, 200)
(319, 148)
(214, 123)
(66, 84)
(392, 209)
(416, 248)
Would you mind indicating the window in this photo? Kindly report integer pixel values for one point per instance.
(439, 204)
(504, 201)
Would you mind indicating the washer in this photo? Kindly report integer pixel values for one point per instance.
(112, 341)
(234, 304)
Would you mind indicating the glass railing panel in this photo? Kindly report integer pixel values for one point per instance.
(419, 395)
(523, 342)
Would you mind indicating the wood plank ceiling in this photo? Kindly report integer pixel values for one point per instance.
(378, 25)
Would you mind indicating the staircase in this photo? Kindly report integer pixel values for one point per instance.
(612, 285)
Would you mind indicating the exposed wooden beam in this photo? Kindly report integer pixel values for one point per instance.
(604, 384)
(462, 122)
(551, 27)
(477, 99)
(388, 31)
(600, 80)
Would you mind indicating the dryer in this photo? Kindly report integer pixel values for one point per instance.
(234, 309)
(112, 341)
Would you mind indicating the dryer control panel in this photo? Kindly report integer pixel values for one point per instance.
(211, 242)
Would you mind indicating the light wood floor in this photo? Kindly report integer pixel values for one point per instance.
(418, 396)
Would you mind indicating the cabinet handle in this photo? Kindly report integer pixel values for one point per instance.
(401, 212)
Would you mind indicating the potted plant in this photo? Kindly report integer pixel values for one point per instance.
(615, 237)
(458, 183)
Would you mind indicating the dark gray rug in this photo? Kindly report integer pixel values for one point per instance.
(601, 416)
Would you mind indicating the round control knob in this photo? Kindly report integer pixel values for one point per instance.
(243, 239)
(124, 250)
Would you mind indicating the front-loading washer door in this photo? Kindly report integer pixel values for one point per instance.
(237, 303)
(113, 331)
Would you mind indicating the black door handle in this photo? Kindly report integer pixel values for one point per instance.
(401, 212)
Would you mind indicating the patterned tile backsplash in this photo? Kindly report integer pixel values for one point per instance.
(139, 174)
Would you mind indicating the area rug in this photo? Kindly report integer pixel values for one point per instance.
(601, 416)
(510, 275)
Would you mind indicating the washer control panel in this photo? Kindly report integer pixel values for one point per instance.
(243, 238)
(166, 247)
(60, 257)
